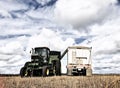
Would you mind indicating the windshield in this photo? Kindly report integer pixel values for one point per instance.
(41, 52)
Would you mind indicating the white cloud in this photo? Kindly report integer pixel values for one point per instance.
(51, 39)
(81, 13)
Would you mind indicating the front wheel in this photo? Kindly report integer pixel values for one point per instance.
(45, 71)
(23, 72)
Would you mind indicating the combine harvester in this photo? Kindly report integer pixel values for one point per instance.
(43, 63)
(78, 60)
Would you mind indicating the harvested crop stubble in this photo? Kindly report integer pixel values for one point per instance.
(96, 81)
(2, 82)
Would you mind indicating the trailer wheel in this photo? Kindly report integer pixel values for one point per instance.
(45, 71)
(23, 72)
(58, 68)
(84, 72)
(69, 71)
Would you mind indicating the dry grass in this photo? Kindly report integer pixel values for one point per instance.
(96, 81)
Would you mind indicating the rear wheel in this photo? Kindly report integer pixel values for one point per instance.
(84, 72)
(58, 67)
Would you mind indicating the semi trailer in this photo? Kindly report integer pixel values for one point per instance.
(78, 60)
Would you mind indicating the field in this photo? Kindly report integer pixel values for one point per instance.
(95, 81)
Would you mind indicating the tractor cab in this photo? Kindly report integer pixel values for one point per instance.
(40, 54)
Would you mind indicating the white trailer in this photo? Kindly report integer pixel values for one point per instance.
(78, 60)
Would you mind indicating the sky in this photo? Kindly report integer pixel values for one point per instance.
(57, 24)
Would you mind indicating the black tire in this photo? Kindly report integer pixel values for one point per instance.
(29, 73)
(84, 72)
(26, 64)
(23, 71)
(45, 71)
(58, 68)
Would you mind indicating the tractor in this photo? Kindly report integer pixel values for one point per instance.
(43, 63)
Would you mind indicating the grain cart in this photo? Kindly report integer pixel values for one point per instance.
(78, 60)
(43, 63)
